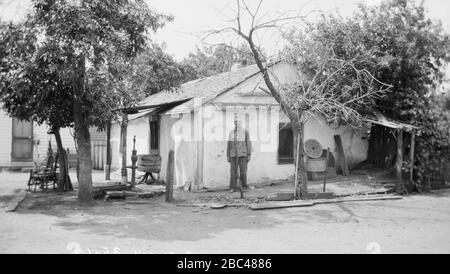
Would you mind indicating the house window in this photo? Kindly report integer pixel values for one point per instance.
(285, 144)
(154, 133)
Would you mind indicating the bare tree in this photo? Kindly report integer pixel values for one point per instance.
(320, 90)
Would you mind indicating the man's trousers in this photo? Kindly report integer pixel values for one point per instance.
(238, 167)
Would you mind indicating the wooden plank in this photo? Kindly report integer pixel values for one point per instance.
(281, 205)
(296, 204)
(116, 194)
(344, 165)
(170, 177)
(326, 171)
(111, 188)
(411, 155)
(366, 198)
(399, 164)
(144, 158)
(209, 205)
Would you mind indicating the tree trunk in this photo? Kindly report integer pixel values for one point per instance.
(123, 138)
(83, 139)
(64, 183)
(301, 191)
(108, 153)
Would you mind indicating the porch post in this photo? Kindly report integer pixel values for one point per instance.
(134, 159)
(411, 155)
(399, 187)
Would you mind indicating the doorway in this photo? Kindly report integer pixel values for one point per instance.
(22, 141)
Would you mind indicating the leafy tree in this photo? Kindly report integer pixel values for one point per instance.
(406, 50)
(154, 70)
(412, 52)
(332, 84)
(402, 48)
(211, 60)
(31, 89)
(83, 44)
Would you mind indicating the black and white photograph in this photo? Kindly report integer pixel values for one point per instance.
(221, 127)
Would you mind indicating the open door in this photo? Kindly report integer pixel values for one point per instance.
(154, 135)
(22, 141)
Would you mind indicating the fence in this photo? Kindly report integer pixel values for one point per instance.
(98, 153)
(439, 178)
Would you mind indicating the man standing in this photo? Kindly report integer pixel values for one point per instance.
(239, 151)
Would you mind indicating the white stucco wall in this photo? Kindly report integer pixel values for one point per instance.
(177, 133)
(264, 162)
(264, 116)
(355, 142)
(166, 142)
(211, 151)
(138, 128)
(203, 162)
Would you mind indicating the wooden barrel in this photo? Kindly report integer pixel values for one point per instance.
(149, 163)
(316, 165)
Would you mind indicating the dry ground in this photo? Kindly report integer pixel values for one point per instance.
(51, 223)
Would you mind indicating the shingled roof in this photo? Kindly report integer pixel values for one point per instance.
(205, 89)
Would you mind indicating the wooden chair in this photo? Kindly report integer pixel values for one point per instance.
(43, 176)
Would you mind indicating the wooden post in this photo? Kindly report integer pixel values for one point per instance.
(134, 159)
(411, 156)
(326, 171)
(123, 129)
(340, 147)
(108, 153)
(399, 187)
(170, 177)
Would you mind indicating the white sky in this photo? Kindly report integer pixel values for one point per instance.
(195, 16)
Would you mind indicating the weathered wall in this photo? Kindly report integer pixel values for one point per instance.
(177, 133)
(355, 142)
(200, 156)
(263, 119)
(264, 164)
(138, 128)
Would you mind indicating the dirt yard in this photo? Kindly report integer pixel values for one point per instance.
(51, 223)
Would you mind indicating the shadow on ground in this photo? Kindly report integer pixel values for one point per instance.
(155, 220)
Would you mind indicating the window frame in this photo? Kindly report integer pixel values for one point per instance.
(283, 159)
(154, 139)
